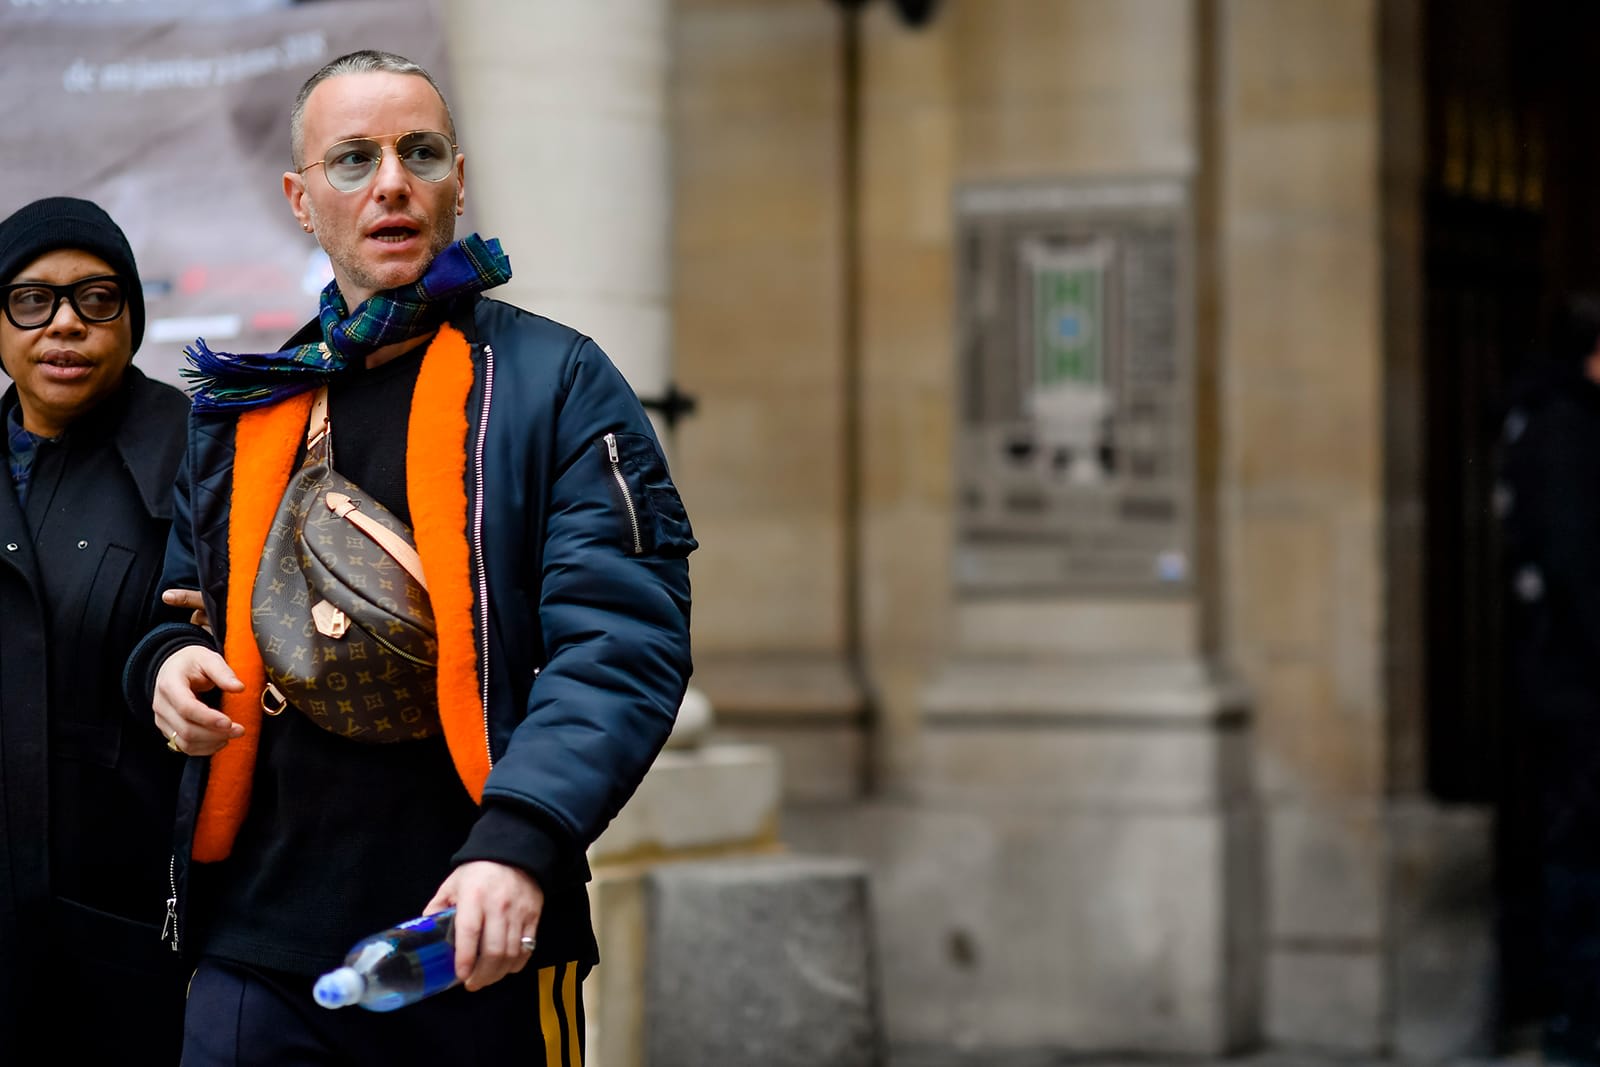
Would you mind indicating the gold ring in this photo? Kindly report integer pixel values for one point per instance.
(528, 943)
(172, 742)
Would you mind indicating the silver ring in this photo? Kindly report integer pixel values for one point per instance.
(528, 943)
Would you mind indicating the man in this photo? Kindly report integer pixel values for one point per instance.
(1550, 490)
(86, 791)
(554, 546)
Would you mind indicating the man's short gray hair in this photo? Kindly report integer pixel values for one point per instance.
(366, 61)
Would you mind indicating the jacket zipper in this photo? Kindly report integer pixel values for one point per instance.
(169, 925)
(481, 573)
(627, 497)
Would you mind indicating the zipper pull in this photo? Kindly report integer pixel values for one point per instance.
(611, 446)
(170, 923)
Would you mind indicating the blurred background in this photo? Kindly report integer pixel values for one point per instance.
(1088, 411)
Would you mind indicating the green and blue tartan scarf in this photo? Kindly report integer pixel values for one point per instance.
(229, 381)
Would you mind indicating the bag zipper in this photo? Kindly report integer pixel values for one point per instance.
(627, 497)
(402, 653)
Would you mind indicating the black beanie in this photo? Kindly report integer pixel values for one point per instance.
(66, 222)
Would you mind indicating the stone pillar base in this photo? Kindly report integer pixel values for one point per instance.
(714, 801)
(1087, 860)
(1444, 963)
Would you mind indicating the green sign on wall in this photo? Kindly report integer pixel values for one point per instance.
(1066, 327)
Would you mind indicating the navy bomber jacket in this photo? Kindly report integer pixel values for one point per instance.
(556, 550)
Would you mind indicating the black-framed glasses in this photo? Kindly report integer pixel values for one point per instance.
(350, 165)
(31, 305)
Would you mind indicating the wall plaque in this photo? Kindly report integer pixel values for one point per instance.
(1075, 447)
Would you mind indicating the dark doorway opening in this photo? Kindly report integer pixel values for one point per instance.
(1510, 222)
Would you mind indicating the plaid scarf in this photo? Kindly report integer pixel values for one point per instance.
(225, 380)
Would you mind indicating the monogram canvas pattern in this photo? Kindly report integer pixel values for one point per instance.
(374, 681)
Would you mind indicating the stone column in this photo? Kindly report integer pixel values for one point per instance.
(761, 327)
(562, 113)
(1301, 402)
(562, 110)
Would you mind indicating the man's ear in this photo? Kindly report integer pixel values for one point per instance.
(461, 182)
(294, 191)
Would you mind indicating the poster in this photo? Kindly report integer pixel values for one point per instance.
(174, 117)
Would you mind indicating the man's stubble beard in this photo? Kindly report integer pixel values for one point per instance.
(442, 237)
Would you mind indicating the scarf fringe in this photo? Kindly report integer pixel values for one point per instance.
(225, 381)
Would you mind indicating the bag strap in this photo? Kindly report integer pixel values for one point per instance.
(350, 511)
(317, 429)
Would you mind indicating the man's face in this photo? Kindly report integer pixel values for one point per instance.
(385, 233)
(67, 366)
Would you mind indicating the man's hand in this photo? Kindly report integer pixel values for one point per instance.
(188, 724)
(496, 907)
(191, 599)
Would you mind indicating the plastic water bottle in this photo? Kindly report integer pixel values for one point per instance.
(394, 968)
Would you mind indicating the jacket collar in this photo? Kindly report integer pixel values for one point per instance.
(144, 449)
(141, 447)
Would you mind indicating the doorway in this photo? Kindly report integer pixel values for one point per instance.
(1510, 221)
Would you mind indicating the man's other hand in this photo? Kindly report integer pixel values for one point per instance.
(190, 725)
(191, 599)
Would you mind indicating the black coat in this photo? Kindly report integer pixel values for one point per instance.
(87, 786)
(1552, 534)
(1550, 823)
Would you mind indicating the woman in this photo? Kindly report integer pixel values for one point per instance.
(87, 785)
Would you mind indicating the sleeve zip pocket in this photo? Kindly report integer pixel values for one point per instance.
(615, 458)
(651, 518)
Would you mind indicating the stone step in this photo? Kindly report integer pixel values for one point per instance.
(765, 960)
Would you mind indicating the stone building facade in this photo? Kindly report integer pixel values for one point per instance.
(1159, 819)
(1091, 470)
(1094, 417)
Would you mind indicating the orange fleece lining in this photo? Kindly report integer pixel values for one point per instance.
(265, 443)
(436, 486)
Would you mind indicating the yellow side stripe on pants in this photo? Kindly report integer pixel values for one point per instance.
(550, 1020)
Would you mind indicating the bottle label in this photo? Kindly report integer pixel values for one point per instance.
(428, 938)
(438, 963)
